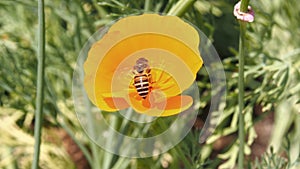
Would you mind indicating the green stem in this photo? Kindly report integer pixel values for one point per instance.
(242, 46)
(40, 84)
(99, 9)
(241, 97)
(147, 5)
(181, 7)
(244, 5)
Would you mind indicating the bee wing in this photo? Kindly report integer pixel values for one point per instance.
(114, 99)
(122, 81)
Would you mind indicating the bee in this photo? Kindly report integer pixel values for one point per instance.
(142, 79)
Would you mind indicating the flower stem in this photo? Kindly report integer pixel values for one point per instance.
(181, 7)
(147, 5)
(244, 8)
(241, 97)
(40, 84)
(244, 5)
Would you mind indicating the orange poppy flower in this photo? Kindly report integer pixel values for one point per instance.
(168, 44)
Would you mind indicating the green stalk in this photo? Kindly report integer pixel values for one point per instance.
(244, 5)
(181, 7)
(40, 84)
(147, 5)
(242, 46)
(241, 96)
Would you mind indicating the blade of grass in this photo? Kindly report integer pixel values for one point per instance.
(40, 84)
(181, 7)
(99, 9)
(244, 8)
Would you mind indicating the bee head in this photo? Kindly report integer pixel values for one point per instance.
(141, 65)
(139, 68)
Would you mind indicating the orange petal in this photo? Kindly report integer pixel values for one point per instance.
(115, 104)
(111, 101)
(158, 105)
(173, 105)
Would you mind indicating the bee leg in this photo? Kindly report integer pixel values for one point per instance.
(150, 88)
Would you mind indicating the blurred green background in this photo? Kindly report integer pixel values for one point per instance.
(272, 72)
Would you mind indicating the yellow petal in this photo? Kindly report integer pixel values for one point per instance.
(171, 26)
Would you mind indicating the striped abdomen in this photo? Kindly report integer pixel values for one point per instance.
(141, 83)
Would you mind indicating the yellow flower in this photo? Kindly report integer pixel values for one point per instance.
(171, 47)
